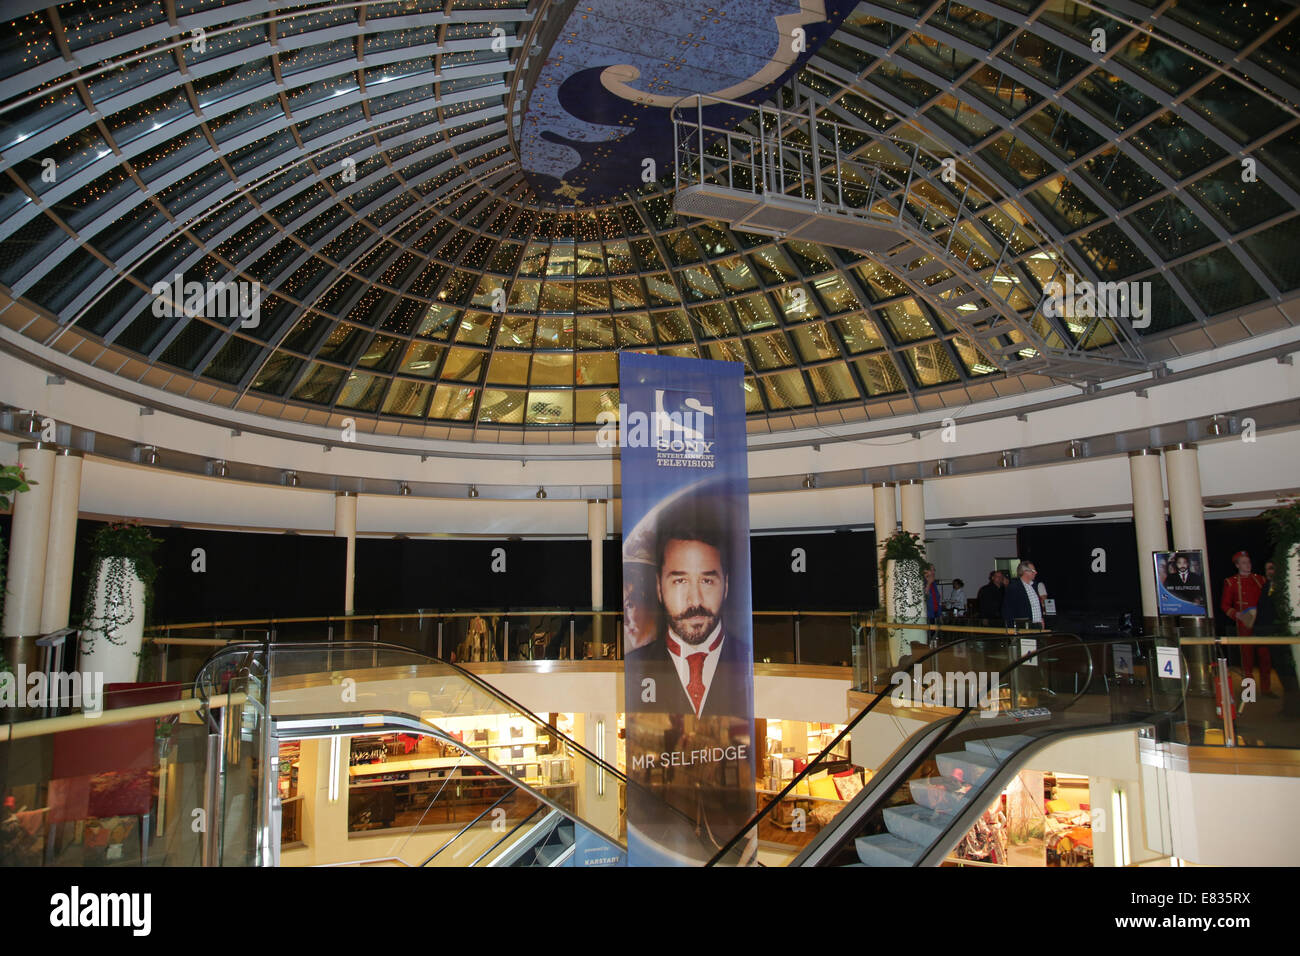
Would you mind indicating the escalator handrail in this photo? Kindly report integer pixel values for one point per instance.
(466, 828)
(468, 675)
(753, 822)
(876, 796)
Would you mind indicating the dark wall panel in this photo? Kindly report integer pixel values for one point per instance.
(409, 574)
(247, 575)
(838, 571)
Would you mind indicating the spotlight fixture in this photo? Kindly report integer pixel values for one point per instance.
(1008, 459)
(148, 454)
(541, 492)
(1218, 503)
(958, 524)
(809, 481)
(1077, 449)
(404, 490)
(1217, 425)
(943, 467)
(1081, 515)
(220, 469)
(473, 491)
(291, 479)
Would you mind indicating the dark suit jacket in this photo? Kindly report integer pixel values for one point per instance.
(1015, 606)
(729, 694)
(990, 599)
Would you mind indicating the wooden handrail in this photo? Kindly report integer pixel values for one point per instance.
(120, 715)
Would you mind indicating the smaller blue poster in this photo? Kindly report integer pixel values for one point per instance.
(592, 849)
(1180, 583)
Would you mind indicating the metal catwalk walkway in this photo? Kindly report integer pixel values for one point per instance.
(791, 174)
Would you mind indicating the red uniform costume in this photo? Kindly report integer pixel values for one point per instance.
(1241, 592)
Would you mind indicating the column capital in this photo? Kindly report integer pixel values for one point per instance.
(884, 484)
(1144, 451)
(1180, 446)
(345, 494)
(38, 446)
(910, 481)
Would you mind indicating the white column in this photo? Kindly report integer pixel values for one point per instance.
(1148, 520)
(596, 535)
(912, 493)
(64, 506)
(1186, 511)
(345, 526)
(885, 517)
(28, 542)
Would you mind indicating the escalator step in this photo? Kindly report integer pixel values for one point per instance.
(1000, 747)
(937, 793)
(885, 849)
(547, 855)
(916, 824)
(966, 765)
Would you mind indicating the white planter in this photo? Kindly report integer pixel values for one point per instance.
(904, 602)
(110, 644)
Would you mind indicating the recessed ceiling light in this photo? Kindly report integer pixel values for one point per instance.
(1084, 514)
(1218, 503)
(958, 524)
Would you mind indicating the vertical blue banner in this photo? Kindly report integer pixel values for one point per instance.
(688, 634)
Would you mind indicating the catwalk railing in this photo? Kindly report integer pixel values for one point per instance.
(972, 257)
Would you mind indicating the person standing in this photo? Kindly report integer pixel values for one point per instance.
(990, 597)
(1240, 601)
(1022, 601)
(1266, 625)
(957, 600)
(933, 605)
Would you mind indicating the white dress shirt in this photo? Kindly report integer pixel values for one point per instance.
(710, 662)
(1035, 608)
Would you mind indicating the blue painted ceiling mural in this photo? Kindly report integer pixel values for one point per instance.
(600, 104)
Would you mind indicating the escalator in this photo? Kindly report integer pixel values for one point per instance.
(952, 755)
(560, 807)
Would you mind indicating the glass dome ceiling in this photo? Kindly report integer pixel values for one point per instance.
(359, 162)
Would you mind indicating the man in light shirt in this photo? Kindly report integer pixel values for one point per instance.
(1022, 602)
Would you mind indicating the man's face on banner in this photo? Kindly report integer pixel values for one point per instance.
(692, 587)
(1181, 563)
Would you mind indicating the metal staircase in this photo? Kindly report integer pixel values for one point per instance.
(997, 280)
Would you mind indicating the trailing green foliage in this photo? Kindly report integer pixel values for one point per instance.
(132, 543)
(1284, 530)
(905, 546)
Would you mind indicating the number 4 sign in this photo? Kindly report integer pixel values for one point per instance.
(1168, 662)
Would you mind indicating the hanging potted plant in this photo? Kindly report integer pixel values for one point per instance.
(122, 573)
(1284, 530)
(903, 565)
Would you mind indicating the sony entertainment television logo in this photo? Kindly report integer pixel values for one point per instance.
(1116, 300)
(679, 428)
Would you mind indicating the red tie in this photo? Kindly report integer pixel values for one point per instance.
(694, 686)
